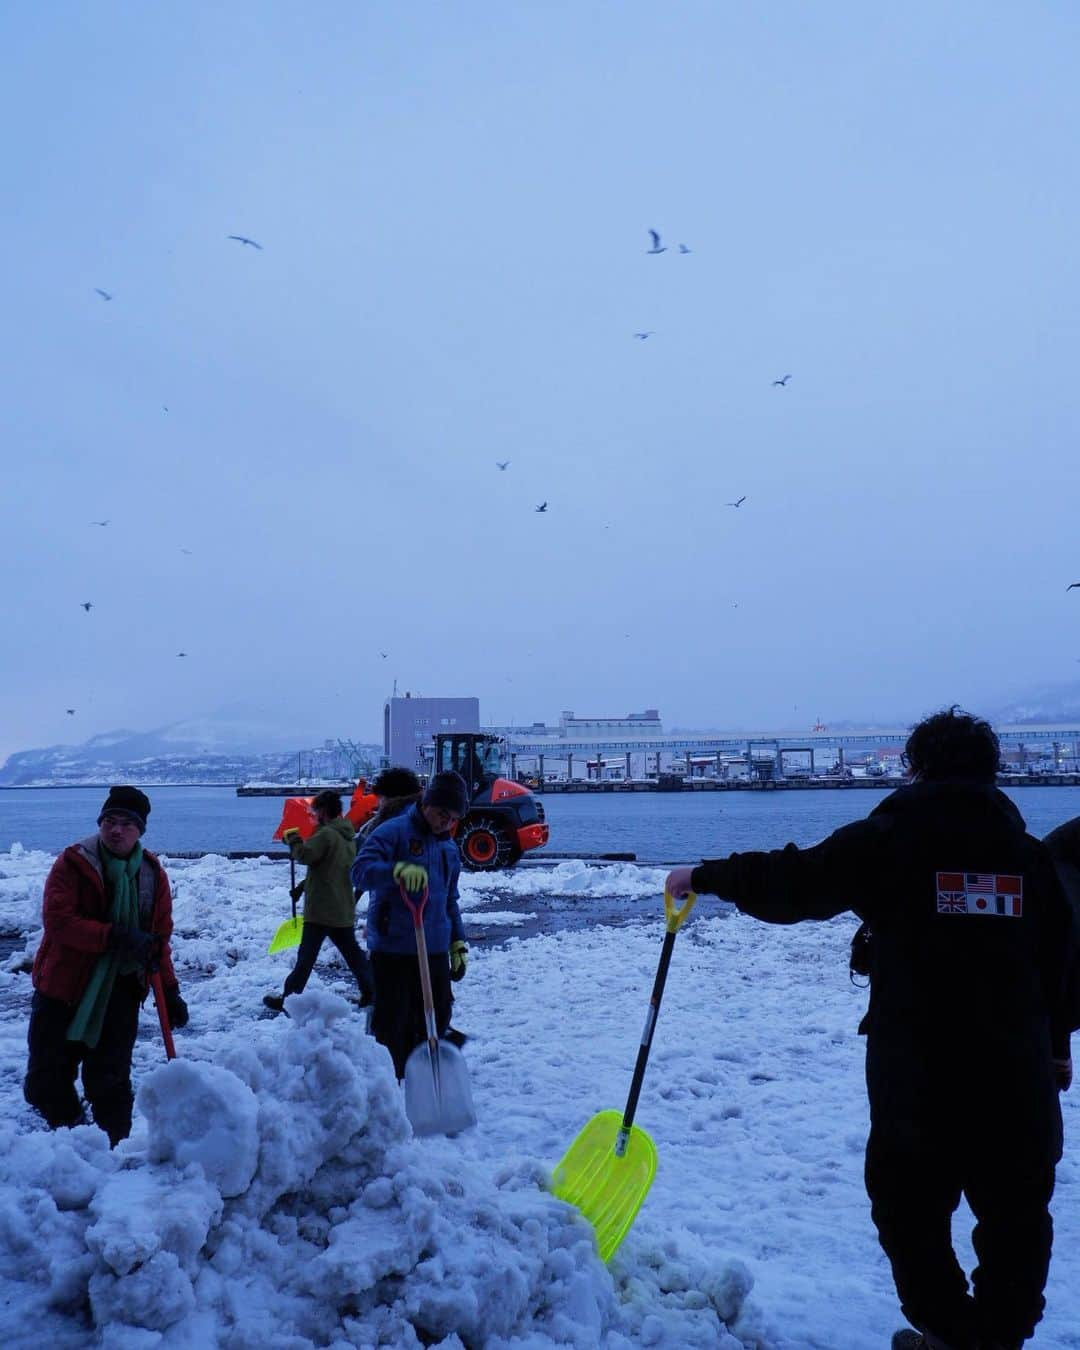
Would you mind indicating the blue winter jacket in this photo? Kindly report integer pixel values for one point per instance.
(409, 838)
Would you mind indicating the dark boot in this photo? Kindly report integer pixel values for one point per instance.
(275, 1002)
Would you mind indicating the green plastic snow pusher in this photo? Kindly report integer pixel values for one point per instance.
(608, 1169)
(290, 932)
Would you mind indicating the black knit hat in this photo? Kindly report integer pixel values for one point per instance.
(126, 801)
(396, 782)
(448, 790)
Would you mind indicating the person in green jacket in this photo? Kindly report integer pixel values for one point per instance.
(329, 904)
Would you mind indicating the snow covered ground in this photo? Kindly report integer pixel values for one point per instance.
(271, 1194)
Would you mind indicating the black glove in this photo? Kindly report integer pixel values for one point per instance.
(176, 1008)
(296, 892)
(132, 944)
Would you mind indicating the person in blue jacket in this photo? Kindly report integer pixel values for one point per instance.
(414, 850)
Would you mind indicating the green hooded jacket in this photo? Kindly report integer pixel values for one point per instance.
(328, 892)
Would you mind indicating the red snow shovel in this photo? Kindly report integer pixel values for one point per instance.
(438, 1099)
(163, 1013)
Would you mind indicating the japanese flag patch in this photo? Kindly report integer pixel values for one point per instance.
(980, 893)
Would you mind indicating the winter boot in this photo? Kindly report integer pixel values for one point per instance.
(908, 1340)
(275, 1002)
(455, 1037)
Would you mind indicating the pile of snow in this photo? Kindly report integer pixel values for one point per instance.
(275, 1196)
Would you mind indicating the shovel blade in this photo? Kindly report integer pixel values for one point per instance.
(287, 935)
(608, 1190)
(438, 1098)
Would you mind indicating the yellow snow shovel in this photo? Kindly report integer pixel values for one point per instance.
(289, 932)
(608, 1169)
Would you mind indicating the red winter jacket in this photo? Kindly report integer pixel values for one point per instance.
(75, 910)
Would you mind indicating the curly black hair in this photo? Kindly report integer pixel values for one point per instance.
(328, 802)
(953, 744)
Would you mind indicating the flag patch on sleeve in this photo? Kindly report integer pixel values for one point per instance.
(980, 893)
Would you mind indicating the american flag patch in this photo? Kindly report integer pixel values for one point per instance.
(980, 893)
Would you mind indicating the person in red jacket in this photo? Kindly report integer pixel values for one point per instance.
(107, 912)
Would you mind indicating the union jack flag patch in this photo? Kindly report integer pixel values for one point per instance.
(980, 893)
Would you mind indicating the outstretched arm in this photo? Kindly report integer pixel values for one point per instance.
(790, 884)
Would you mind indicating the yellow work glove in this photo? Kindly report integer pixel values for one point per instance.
(290, 835)
(459, 959)
(411, 875)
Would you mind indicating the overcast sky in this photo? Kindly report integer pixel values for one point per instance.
(453, 201)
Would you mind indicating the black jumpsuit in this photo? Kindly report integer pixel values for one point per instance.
(969, 1004)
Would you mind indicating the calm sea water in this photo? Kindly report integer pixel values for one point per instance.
(658, 827)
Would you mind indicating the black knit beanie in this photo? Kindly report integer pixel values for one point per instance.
(396, 782)
(448, 790)
(126, 801)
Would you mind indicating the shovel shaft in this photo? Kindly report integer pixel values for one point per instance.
(646, 1041)
(292, 882)
(163, 1014)
(416, 909)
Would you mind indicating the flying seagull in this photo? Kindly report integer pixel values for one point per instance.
(642, 336)
(657, 247)
(502, 463)
(104, 294)
(738, 503)
(70, 712)
(181, 653)
(384, 655)
(99, 522)
(782, 383)
(88, 605)
(542, 506)
(684, 249)
(1072, 584)
(243, 239)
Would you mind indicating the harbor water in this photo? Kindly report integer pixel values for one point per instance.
(657, 827)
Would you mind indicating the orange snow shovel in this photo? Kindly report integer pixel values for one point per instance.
(608, 1169)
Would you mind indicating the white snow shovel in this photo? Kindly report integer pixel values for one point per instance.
(438, 1099)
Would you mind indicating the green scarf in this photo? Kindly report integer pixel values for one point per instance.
(120, 874)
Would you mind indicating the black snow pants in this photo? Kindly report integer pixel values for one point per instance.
(398, 1020)
(344, 939)
(914, 1189)
(54, 1062)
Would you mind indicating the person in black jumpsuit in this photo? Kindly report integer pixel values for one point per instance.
(968, 1026)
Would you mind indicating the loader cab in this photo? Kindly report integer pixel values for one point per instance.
(504, 819)
(477, 758)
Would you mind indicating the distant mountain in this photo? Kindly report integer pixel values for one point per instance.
(199, 751)
(1041, 703)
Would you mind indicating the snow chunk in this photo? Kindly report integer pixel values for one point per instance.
(200, 1113)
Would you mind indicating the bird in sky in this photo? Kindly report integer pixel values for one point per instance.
(243, 239)
(1072, 584)
(503, 464)
(99, 522)
(738, 503)
(187, 551)
(542, 507)
(782, 383)
(164, 408)
(384, 655)
(104, 294)
(657, 247)
(642, 336)
(684, 249)
(70, 712)
(181, 653)
(88, 605)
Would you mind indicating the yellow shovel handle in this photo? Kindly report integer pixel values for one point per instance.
(675, 915)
